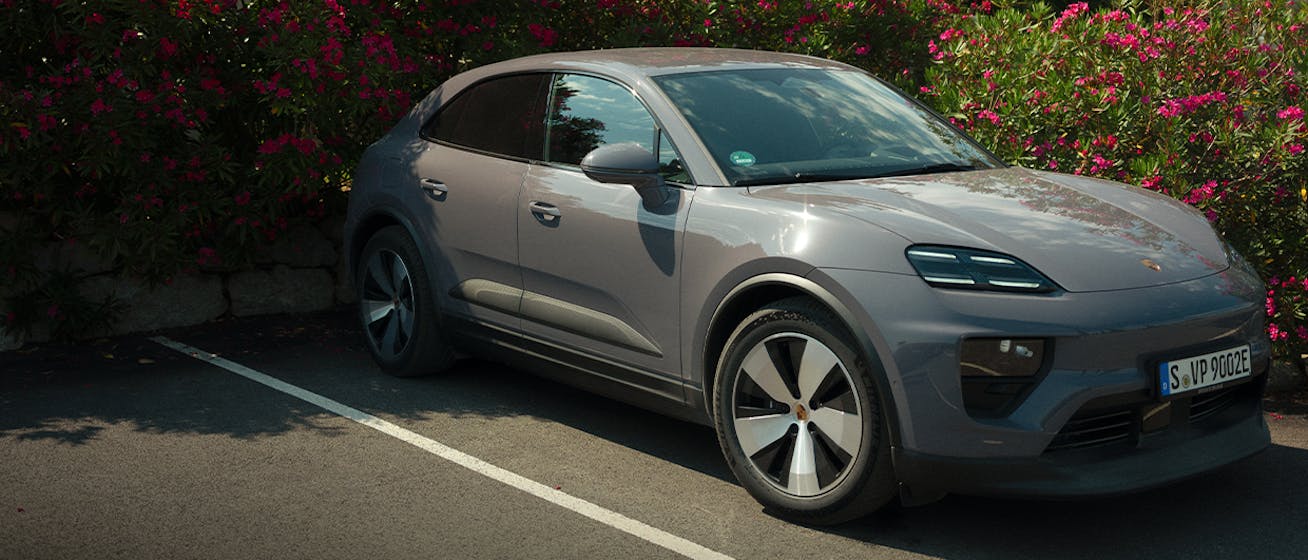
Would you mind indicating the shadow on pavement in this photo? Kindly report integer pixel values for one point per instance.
(67, 393)
(1253, 509)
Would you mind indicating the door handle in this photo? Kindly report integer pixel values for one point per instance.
(546, 212)
(435, 190)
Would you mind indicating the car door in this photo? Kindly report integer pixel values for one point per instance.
(471, 170)
(600, 270)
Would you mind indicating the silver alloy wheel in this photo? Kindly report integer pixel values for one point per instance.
(388, 303)
(796, 414)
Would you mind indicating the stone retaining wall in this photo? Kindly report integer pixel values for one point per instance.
(304, 270)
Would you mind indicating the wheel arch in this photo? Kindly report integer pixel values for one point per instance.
(757, 291)
(368, 226)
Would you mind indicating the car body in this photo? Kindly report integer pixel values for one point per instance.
(661, 225)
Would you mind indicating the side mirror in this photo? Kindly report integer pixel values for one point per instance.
(627, 164)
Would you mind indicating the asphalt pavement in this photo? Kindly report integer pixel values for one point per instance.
(124, 448)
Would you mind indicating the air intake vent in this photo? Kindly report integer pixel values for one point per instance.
(1203, 406)
(1098, 428)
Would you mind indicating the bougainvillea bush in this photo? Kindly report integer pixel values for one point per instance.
(164, 136)
(1203, 102)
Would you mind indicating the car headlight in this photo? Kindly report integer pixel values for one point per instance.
(953, 267)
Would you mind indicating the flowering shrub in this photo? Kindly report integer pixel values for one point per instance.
(1204, 103)
(166, 136)
(172, 136)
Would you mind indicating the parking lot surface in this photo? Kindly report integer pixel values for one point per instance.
(126, 448)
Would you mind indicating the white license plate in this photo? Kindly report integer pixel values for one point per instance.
(1191, 374)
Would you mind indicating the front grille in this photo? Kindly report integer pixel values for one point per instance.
(1121, 418)
(1096, 429)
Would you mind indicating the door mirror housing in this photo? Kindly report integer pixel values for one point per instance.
(627, 163)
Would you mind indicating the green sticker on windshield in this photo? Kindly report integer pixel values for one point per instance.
(743, 159)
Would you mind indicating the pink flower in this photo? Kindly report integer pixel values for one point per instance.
(99, 106)
(242, 199)
(167, 47)
(1184, 105)
(1292, 112)
(1072, 11)
(1201, 194)
(545, 35)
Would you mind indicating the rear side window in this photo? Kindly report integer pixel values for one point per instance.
(503, 116)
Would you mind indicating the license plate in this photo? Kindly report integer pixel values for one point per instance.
(1192, 374)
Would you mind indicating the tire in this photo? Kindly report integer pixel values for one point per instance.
(811, 445)
(396, 308)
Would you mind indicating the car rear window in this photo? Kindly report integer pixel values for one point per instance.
(502, 116)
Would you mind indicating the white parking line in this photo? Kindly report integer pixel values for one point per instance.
(606, 516)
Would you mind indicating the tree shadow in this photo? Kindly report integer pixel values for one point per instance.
(69, 393)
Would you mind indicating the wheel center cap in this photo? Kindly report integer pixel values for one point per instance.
(801, 413)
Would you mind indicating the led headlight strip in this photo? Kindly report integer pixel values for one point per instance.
(954, 267)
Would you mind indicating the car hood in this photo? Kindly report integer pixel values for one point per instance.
(1085, 234)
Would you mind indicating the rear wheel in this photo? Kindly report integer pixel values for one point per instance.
(798, 416)
(396, 307)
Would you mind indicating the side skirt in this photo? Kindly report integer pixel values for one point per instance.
(633, 386)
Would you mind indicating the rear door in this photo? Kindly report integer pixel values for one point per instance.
(470, 170)
(601, 271)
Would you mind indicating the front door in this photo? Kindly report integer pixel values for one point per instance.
(601, 272)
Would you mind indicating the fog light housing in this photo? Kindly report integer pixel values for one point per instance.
(998, 373)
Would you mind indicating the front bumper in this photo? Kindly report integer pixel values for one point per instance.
(1195, 441)
(1105, 349)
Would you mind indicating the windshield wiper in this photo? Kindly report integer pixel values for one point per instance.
(932, 168)
(800, 178)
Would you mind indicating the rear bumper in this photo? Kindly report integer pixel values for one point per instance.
(1143, 461)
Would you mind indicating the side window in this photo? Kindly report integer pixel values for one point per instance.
(502, 116)
(588, 112)
(670, 165)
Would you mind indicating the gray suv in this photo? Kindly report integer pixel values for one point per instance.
(863, 302)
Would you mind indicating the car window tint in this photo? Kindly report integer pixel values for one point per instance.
(590, 112)
(502, 116)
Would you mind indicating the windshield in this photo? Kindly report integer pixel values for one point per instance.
(787, 125)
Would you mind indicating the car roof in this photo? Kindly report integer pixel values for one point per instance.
(636, 64)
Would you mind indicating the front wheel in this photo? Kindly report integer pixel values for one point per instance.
(798, 416)
(397, 309)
